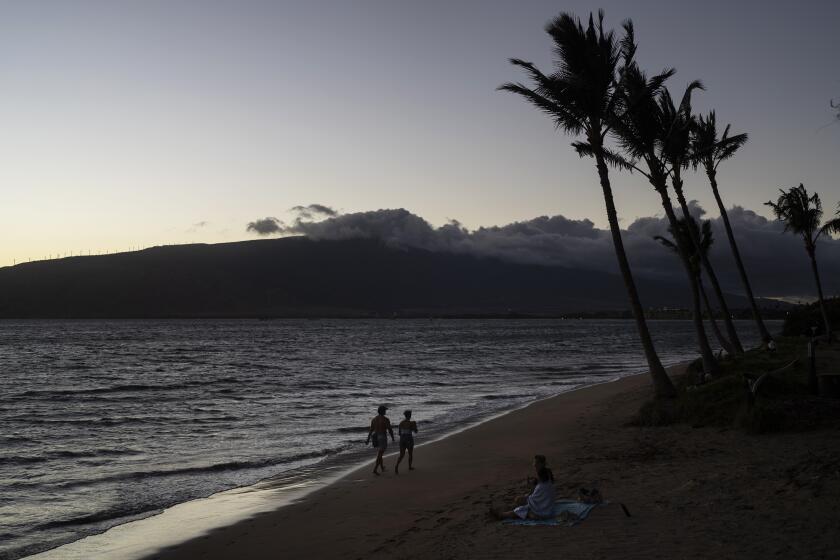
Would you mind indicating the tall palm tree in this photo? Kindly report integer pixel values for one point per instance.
(642, 132)
(802, 215)
(708, 151)
(679, 122)
(706, 240)
(581, 97)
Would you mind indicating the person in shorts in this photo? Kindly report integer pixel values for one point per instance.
(380, 426)
(406, 429)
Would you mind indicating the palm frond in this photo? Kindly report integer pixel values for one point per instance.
(667, 243)
(799, 212)
(727, 147)
(563, 118)
(831, 227)
(710, 150)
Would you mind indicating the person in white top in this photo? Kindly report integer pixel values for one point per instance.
(540, 503)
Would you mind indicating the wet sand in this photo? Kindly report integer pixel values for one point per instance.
(693, 492)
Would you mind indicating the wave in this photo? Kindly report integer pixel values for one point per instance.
(112, 514)
(215, 468)
(104, 421)
(437, 402)
(130, 387)
(506, 396)
(353, 430)
(62, 394)
(67, 454)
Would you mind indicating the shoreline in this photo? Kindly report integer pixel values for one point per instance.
(357, 488)
(230, 507)
(693, 492)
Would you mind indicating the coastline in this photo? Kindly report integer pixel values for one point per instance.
(694, 492)
(454, 467)
(231, 507)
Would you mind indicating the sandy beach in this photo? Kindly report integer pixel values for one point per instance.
(693, 492)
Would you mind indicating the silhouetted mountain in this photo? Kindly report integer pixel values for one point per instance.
(300, 277)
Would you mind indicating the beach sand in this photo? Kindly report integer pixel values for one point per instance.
(693, 492)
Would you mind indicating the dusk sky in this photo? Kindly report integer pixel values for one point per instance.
(144, 123)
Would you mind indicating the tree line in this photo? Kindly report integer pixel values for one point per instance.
(627, 120)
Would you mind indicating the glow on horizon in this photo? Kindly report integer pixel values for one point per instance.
(125, 124)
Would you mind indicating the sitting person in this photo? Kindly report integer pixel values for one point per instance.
(539, 504)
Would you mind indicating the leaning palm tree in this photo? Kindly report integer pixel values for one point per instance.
(708, 151)
(581, 97)
(679, 122)
(706, 239)
(801, 215)
(642, 131)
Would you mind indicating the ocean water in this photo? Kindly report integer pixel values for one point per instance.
(104, 422)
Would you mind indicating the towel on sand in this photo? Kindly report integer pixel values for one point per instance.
(577, 510)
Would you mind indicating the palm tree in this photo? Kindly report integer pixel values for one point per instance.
(706, 240)
(677, 150)
(801, 215)
(581, 97)
(643, 132)
(708, 151)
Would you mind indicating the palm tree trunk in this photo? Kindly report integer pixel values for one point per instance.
(727, 316)
(710, 365)
(719, 335)
(762, 329)
(827, 323)
(661, 382)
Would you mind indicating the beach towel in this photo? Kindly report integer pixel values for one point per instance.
(578, 511)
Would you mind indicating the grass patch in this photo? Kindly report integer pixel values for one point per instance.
(783, 400)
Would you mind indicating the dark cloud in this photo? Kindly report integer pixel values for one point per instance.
(265, 226)
(777, 263)
(312, 210)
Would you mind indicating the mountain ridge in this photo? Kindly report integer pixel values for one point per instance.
(300, 277)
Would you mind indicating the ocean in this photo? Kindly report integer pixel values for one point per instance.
(105, 422)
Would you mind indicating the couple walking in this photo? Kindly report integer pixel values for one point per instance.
(380, 427)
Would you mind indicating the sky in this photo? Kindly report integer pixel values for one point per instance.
(133, 124)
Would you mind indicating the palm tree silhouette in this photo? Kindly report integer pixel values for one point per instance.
(679, 122)
(708, 151)
(801, 215)
(706, 239)
(643, 131)
(581, 97)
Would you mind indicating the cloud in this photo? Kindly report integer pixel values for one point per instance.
(777, 263)
(198, 225)
(312, 210)
(265, 226)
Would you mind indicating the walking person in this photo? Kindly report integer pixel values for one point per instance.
(406, 429)
(380, 426)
